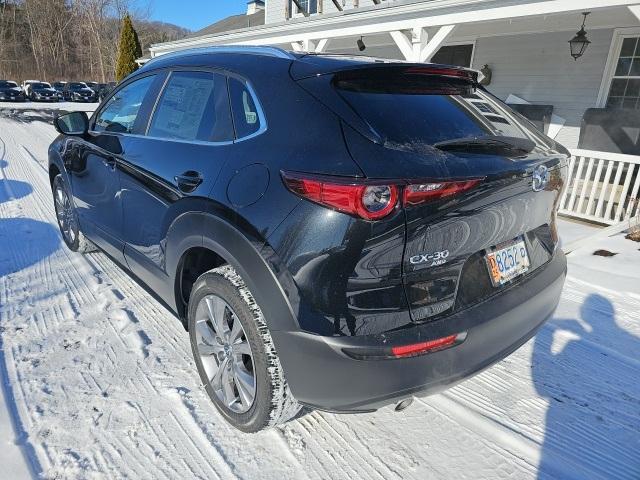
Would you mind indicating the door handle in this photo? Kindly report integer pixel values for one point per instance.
(109, 162)
(188, 181)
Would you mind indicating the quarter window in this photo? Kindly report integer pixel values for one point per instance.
(120, 113)
(193, 106)
(246, 116)
(625, 84)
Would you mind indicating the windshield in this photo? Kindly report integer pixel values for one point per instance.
(77, 85)
(415, 110)
(5, 84)
(40, 86)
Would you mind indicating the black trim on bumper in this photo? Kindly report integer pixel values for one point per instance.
(322, 376)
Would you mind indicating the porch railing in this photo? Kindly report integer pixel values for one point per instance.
(601, 186)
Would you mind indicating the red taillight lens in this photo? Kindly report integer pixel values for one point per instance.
(371, 202)
(429, 346)
(417, 193)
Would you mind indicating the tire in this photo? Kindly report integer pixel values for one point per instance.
(67, 218)
(272, 403)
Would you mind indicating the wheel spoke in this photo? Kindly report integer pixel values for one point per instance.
(204, 330)
(236, 331)
(245, 382)
(217, 309)
(205, 349)
(241, 348)
(216, 380)
(228, 393)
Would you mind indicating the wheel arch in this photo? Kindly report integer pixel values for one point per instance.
(219, 242)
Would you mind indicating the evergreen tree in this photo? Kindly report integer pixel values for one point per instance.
(128, 49)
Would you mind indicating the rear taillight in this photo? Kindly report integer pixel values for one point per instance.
(417, 193)
(368, 201)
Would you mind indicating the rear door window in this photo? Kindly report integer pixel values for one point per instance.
(193, 106)
(247, 115)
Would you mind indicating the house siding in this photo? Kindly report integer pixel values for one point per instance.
(275, 9)
(539, 69)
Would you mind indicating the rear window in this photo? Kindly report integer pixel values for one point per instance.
(418, 108)
(4, 84)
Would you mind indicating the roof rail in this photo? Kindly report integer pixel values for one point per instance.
(247, 49)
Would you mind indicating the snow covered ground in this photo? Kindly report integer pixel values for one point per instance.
(98, 381)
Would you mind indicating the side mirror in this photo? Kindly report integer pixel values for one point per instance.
(74, 123)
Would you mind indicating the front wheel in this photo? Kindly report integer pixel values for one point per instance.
(68, 219)
(235, 355)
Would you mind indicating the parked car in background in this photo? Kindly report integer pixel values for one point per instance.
(26, 86)
(10, 91)
(105, 89)
(43, 92)
(78, 92)
(95, 86)
(406, 242)
(59, 86)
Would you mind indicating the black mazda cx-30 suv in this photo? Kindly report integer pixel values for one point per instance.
(339, 233)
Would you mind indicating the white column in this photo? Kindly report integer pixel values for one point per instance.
(435, 43)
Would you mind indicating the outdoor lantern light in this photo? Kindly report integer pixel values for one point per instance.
(361, 45)
(579, 43)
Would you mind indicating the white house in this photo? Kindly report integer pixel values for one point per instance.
(590, 104)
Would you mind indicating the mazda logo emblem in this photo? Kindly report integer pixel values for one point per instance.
(540, 178)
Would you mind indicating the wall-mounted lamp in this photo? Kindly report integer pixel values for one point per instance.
(486, 75)
(361, 45)
(579, 43)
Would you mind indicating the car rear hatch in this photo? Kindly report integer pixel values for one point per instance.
(480, 184)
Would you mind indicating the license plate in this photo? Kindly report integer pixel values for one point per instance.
(507, 261)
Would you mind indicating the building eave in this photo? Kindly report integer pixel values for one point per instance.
(396, 17)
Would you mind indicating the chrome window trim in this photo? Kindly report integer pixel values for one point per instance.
(228, 75)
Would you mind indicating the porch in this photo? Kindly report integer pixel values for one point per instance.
(590, 105)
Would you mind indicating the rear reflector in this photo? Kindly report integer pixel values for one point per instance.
(424, 347)
(415, 194)
(405, 351)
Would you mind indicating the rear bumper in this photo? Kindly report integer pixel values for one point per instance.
(322, 376)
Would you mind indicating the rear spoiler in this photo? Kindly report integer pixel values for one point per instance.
(312, 66)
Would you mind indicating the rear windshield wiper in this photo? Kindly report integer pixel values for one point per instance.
(488, 142)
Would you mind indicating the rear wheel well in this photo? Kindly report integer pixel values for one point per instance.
(53, 173)
(194, 262)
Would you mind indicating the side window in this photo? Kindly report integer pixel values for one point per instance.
(120, 112)
(246, 118)
(193, 106)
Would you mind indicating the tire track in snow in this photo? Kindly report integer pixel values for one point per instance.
(207, 460)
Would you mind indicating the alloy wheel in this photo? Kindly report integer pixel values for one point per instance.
(65, 214)
(225, 354)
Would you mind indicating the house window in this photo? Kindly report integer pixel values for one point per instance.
(459, 55)
(625, 83)
(309, 6)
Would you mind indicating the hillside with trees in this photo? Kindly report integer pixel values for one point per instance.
(71, 39)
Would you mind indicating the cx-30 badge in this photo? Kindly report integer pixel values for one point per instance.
(540, 178)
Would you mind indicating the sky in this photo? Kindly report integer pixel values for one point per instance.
(195, 14)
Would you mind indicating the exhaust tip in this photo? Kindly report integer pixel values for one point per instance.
(403, 404)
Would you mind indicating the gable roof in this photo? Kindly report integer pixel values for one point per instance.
(234, 22)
